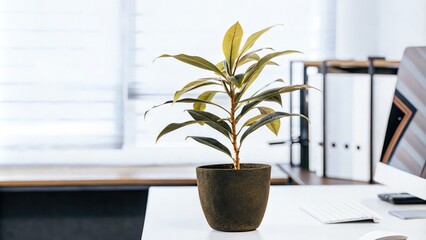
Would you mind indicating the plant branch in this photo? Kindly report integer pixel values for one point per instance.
(239, 131)
(234, 131)
(224, 86)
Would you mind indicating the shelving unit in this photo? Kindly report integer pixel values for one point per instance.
(373, 66)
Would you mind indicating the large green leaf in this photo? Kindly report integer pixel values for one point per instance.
(275, 125)
(276, 98)
(192, 86)
(268, 95)
(267, 85)
(188, 100)
(213, 143)
(252, 120)
(252, 73)
(206, 96)
(173, 126)
(274, 91)
(231, 44)
(195, 61)
(267, 119)
(253, 38)
(212, 120)
(251, 104)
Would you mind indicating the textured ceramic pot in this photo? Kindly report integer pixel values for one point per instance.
(234, 200)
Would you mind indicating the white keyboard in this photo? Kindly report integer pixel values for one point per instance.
(340, 212)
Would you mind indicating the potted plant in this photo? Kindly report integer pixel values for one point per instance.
(233, 196)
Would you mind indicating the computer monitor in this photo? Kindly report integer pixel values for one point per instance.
(403, 161)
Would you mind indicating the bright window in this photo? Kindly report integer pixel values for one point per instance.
(77, 76)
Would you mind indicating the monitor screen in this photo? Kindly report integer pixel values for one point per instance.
(403, 160)
(405, 142)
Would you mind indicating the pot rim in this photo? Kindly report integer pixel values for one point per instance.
(215, 167)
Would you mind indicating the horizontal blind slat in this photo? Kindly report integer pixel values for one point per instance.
(47, 93)
(52, 111)
(60, 85)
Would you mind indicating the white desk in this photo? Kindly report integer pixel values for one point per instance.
(175, 213)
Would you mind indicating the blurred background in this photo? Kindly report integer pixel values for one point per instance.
(77, 76)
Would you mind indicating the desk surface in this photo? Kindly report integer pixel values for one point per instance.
(36, 176)
(175, 213)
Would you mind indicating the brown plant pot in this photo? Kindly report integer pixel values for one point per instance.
(234, 200)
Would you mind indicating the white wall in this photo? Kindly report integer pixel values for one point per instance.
(356, 29)
(401, 24)
(379, 27)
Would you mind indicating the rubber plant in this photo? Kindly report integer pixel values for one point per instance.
(233, 77)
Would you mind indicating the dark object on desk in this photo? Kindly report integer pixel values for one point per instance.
(409, 214)
(70, 213)
(401, 198)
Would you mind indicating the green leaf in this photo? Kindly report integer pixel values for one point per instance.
(206, 96)
(251, 56)
(220, 66)
(267, 85)
(272, 63)
(211, 120)
(246, 109)
(173, 126)
(276, 98)
(267, 119)
(253, 38)
(195, 61)
(255, 58)
(192, 86)
(248, 58)
(187, 100)
(231, 44)
(252, 73)
(226, 67)
(237, 80)
(213, 143)
(272, 92)
(250, 68)
(275, 125)
(252, 120)
(238, 96)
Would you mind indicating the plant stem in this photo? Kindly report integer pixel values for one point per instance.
(234, 131)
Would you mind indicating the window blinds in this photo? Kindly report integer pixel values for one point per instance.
(60, 74)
